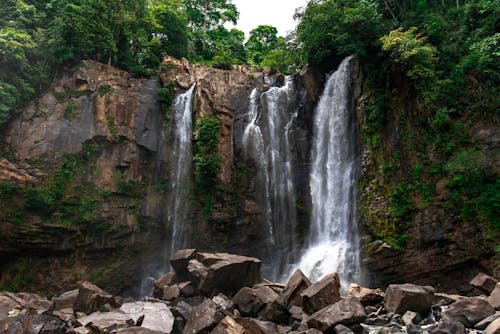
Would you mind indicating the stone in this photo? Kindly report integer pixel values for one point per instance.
(493, 328)
(275, 312)
(345, 312)
(365, 295)
(157, 316)
(410, 318)
(174, 291)
(12, 303)
(296, 313)
(159, 284)
(91, 298)
(494, 297)
(228, 326)
(254, 326)
(65, 300)
(443, 299)
(414, 329)
(249, 301)
(486, 321)
(468, 311)
(65, 314)
(32, 322)
(105, 322)
(447, 328)
(400, 298)
(136, 330)
(222, 272)
(203, 318)
(297, 283)
(341, 329)
(179, 261)
(484, 282)
(321, 294)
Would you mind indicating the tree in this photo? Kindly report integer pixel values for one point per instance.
(205, 16)
(262, 40)
(332, 29)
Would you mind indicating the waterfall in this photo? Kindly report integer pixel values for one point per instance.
(268, 141)
(180, 171)
(333, 243)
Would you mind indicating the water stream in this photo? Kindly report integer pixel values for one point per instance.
(333, 242)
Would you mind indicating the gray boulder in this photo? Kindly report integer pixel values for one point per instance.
(91, 298)
(203, 318)
(400, 298)
(105, 322)
(345, 312)
(65, 300)
(321, 294)
(410, 318)
(484, 282)
(297, 283)
(341, 329)
(156, 316)
(250, 301)
(468, 311)
(447, 328)
(365, 295)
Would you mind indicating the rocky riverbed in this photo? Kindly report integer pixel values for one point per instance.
(225, 293)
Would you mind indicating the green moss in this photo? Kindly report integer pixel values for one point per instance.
(70, 111)
(167, 97)
(110, 119)
(105, 89)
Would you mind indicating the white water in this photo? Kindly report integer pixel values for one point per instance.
(267, 141)
(181, 169)
(333, 243)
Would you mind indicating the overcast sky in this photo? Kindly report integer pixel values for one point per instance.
(278, 13)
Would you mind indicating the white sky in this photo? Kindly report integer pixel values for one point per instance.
(277, 13)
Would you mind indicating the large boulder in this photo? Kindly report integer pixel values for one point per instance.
(65, 300)
(447, 328)
(494, 297)
(365, 295)
(400, 298)
(493, 328)
(163, 281)
(228, 326)
(212, 273)
(203, 318)
(297, 283)
(321, 294)
(12, 304)
(91, 298)
(250, 301)
(468, 311)
(155, 316)
(484, 282)
(105, 322)
(32, 322)
(345, 312)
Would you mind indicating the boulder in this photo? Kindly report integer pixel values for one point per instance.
(105, 322)
(486, 321)
(32, 322)
(468, 311)
(159, 284)
(410, 318)
(341, 329)
(321, 294)
(136, 330)
(400, 298)
(493, 328)
(494, 297)
(91, 298)
(65, 300)
(297, 283)
(345, 312)
(156, 316)
(228, 326)
(484, 282)
(254, 326)
(365, 295)
(447, 328)
(179, 261)
(414, 329)
(12, 303)
(221, 272)
(203, 318)
(275, 312)
(250, 301)
(174, 291)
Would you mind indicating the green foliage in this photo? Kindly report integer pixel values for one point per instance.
(19, 279)
(167, 97)
(70, 111)
(412, 51)
(105, 89)
(332, 29)
(261, 42)
(206, 159)
(401, 205)
(8, 190)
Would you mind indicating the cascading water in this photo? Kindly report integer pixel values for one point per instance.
(267, 140)
(181, 169)
(333, 244)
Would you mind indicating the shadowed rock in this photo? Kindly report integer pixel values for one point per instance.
(91, 298)
(468, 311)
(297, 283)
(345, 312)
(321, 294)
(400, 298)
(484, 282)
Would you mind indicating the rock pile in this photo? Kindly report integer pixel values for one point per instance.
(224, 294)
